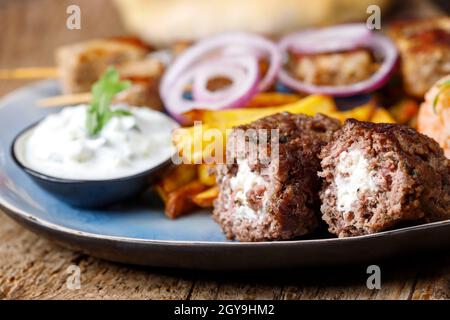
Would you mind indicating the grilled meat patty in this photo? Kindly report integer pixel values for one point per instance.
(378, 176)
(272, 195)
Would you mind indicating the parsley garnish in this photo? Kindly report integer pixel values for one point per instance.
(442, 87)
(103, 91)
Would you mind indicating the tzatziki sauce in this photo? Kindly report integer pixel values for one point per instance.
(60, 145)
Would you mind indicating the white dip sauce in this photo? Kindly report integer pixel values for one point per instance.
(61, 147)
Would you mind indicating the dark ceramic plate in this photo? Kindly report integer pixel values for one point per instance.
(137, 232)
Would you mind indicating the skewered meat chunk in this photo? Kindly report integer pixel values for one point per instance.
(82, 64)
(144, 76)
(424, 47)
(333, 69)
(142, 93)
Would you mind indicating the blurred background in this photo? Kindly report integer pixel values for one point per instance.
(33, 29)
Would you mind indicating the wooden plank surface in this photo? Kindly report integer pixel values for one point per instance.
(32, 267)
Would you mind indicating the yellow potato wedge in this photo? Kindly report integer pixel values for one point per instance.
(381, 115)
(179, 202)
(404, 111)
(198, 143)
(206, 198)
(362, 113)
(270, 99)
(201, 142)
(178, 177)
(206, 174)
(413, 122)
(161, 193)
(233, 117)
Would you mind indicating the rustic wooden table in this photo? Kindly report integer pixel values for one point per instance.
(32, 267)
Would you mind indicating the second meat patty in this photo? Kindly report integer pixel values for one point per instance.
(378, 176)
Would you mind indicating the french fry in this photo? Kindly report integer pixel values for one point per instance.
(270, 99)
(381, 115)
(161, 193)
(180, 202)
(205, 174)
(404, 111)
(362, 113)
(206, 198)
(413, 122)
(234, 117)
(177, 178)
(197, 143)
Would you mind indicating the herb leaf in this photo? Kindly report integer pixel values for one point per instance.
(442, 87)
(103, 91)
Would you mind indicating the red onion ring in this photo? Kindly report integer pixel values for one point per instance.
(381, 46)
(215, 69)
(331, 39)
(216, 47)
(247, 76)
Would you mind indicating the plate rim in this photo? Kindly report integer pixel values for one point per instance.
(14, 212)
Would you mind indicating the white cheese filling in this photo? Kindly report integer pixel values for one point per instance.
(244, 181)
(353, 178)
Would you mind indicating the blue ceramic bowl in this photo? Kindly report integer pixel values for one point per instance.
(87, 193)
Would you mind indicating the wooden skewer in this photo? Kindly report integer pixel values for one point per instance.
(63, 100)
(29, 73)
(146, 67)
